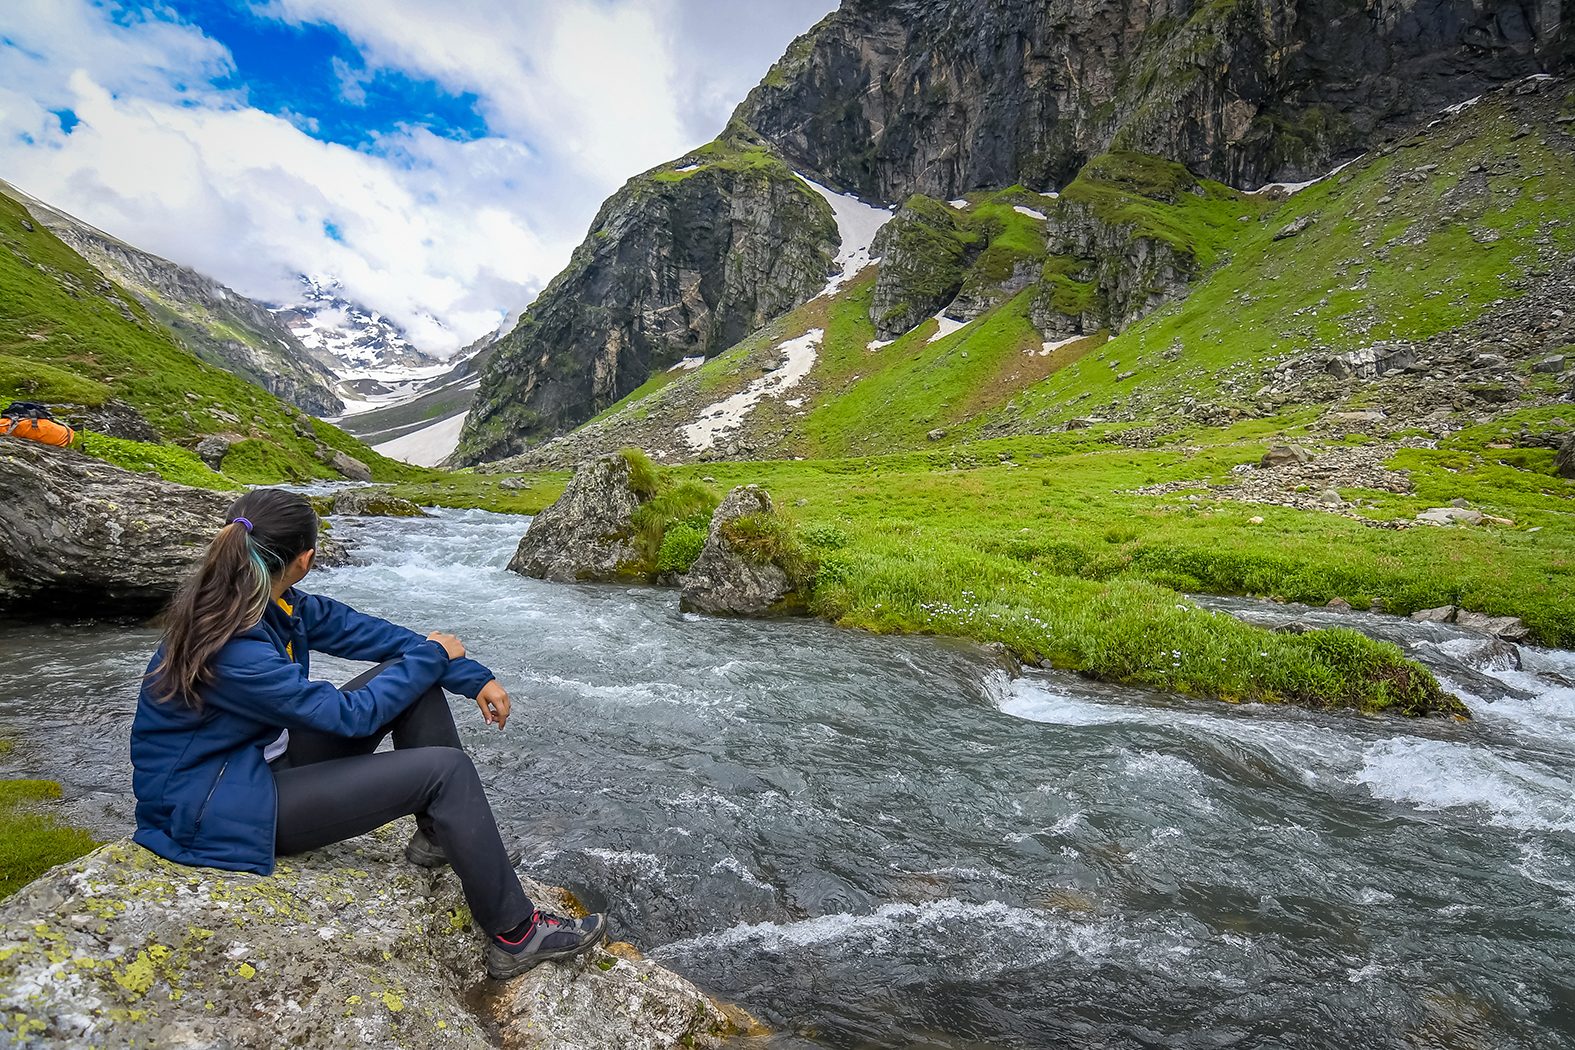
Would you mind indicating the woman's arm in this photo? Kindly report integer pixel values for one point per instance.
(251, 678)
(338, 630)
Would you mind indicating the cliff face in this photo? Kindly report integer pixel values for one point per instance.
(892, 97)
(216, 323)
(681, 262)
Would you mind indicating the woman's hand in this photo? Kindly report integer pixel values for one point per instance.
(494, 703)
(451, 645)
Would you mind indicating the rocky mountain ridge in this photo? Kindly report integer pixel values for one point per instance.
(1425, 286)
(359, 343)
(887, 98)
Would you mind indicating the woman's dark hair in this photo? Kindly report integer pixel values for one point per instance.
(264, 531)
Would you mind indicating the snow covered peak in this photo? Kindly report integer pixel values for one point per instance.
(352, 339)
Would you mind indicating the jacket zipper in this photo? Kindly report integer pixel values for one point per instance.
(204, 810)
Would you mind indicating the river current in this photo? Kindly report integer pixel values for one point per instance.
(886, 842)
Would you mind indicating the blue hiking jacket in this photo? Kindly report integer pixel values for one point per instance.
(205, 795)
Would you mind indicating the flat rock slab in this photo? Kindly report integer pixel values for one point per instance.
(345, 946)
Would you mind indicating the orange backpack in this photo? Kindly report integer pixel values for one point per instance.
(26, 419)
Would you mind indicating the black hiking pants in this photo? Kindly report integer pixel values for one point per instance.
(333, 788)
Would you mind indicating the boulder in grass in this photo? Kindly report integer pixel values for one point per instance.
(350, 467)
(1442, 614)
(734, 574)
(1509, 628)
(1285, 456)
(345, 946)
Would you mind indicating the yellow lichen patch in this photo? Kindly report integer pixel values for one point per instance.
(392, 1000)
(136, 976)
(354, 1000)
(246, 970)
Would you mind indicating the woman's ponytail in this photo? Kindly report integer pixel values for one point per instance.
(265, 531)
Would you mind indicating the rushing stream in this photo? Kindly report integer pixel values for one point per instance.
(885, 842)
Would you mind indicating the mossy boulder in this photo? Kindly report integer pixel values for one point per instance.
(346, 946)
(751, 564)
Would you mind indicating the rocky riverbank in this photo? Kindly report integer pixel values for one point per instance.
(346, 946)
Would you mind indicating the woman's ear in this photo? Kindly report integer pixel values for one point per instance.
(302, 565)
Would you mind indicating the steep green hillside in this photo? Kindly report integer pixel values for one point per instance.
(70, 337)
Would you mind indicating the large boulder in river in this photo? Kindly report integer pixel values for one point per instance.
(739, 570)
(588, 534)
(346, 946)
(79, 534)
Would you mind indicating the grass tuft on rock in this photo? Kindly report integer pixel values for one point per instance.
(32, 840)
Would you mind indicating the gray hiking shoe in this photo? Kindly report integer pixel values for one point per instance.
(424, 853)
(547, 937)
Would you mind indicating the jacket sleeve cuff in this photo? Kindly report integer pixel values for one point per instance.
(466, 677)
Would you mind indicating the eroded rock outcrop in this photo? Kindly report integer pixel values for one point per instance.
(893, 97)
(682, 262)
(346, 946)
(588, 534)
(82, 535)
(739, 571)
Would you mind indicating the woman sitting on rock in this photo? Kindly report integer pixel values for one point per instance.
(240, 756)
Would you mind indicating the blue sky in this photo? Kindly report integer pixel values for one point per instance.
(440, 160)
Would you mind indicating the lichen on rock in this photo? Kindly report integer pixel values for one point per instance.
(345, 946)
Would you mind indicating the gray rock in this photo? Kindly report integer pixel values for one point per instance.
(350, 467)
(1450, 516)
(1489, 361)
(375, 503)
(345, 946)
(1564, 462)
(1295, 228)
(588, 534)
(1331, 498)
(1473, 621)
(114, 418)
(95, 539)
(1509, 628)
(727, 579)
(936, 434)
(1554, 364)
(212, 450)
(1285, 456)
(1442, 614)
(1338, 605)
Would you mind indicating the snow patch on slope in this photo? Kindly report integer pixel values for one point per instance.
(429, 446)
(1297, 187)
(857, 224)
(1031, 213)
(798, 357)
(945, 327)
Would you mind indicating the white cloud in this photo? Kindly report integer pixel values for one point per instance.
(445, 237)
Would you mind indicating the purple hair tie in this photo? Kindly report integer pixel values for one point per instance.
(241, 521)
